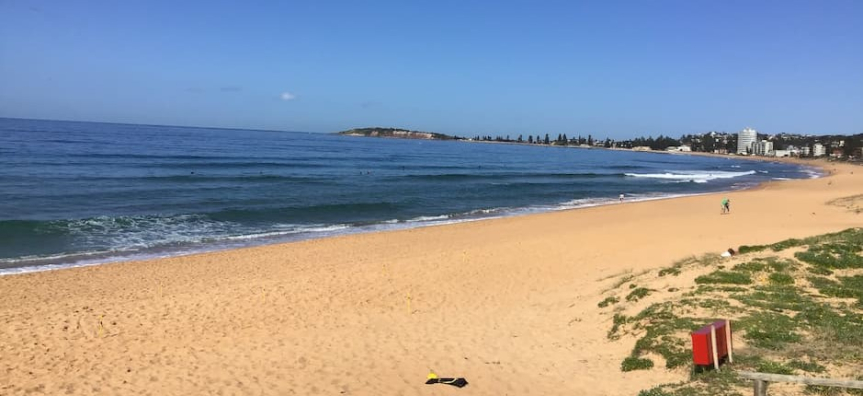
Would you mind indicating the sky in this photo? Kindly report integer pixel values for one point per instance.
(617, 69)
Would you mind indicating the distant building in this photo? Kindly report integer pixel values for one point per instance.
(746, 141)
(763, 148)
(818, 150)
(641, 148)
(782, 153)
(804, 151)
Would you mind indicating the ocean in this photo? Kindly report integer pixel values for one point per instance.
(84, 193)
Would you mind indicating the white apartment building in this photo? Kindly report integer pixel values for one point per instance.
(746, 141)
(763, 147)
(818, 150)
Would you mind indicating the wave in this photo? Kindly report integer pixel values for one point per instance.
(109, 239)
(203, 178)
(496, 176)
(692, 176)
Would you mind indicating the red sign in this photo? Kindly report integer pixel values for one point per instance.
(702, 345)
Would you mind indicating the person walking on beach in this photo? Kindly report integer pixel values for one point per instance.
(621, 197)
(726, 206)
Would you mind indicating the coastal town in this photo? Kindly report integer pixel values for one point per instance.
(746, 142)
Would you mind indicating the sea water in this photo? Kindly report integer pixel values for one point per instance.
(82, 193)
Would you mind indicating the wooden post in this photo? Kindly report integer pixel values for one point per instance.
(728, 343)
(713, 347)
(839, 383)
(760, 387)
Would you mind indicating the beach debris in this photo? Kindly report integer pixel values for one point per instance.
(456, 382)
(728, 253)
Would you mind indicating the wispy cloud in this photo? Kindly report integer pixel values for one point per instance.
(287, 96)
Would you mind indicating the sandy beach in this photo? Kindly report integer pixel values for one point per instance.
(509, 304)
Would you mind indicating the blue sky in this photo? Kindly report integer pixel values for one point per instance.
(610, 68)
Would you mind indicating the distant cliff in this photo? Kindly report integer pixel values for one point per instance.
(396, 133)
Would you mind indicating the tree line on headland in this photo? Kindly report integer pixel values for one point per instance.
(839, 146)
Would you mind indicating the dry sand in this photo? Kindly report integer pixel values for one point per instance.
(509, 304)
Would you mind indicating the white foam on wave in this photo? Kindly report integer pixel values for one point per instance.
(691, 176)
(427, 218)
(293, 231)
(812, 173)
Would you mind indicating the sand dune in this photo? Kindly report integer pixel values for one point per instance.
(509, 304)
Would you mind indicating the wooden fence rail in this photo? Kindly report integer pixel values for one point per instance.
(760, 381)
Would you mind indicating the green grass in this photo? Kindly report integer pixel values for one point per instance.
(745, 249)
(708, 383)
(831, 391)
(779, 321)
(725, 277)
(638, 294)
(608, 301)
(809, 367)
(833, 256)
(634, 363)
(819, 270)
(706, 289)
(834, 325)
(617, 322)
(847, 287)
(660, 325)
(770, 367)
(751, 266)
(623, 280)
(775, 298)
(765, 264)
(778, 278)
(788, 243)
(769, 330)
(780, 265)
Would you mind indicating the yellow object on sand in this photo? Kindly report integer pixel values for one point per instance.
(432, 375)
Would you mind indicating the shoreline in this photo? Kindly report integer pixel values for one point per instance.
(107, 257)
(405, 226)
(508, 303)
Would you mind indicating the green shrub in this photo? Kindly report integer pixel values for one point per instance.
(751, 249)
(788, 243)
(619, 320)
(778, 278)
(832, 256)
(752, 266)
(769, 330)
(848, 288)
(819, 270)
(725, 277)
(776, 297)
(608, 301)
(656, 391)
(633, 363)
(810, 367)
(638, 294)
(780, 265)
(770, 367)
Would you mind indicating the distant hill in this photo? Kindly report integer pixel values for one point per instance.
(396, 133)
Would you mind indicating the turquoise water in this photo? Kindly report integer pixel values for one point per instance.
(74, 193)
